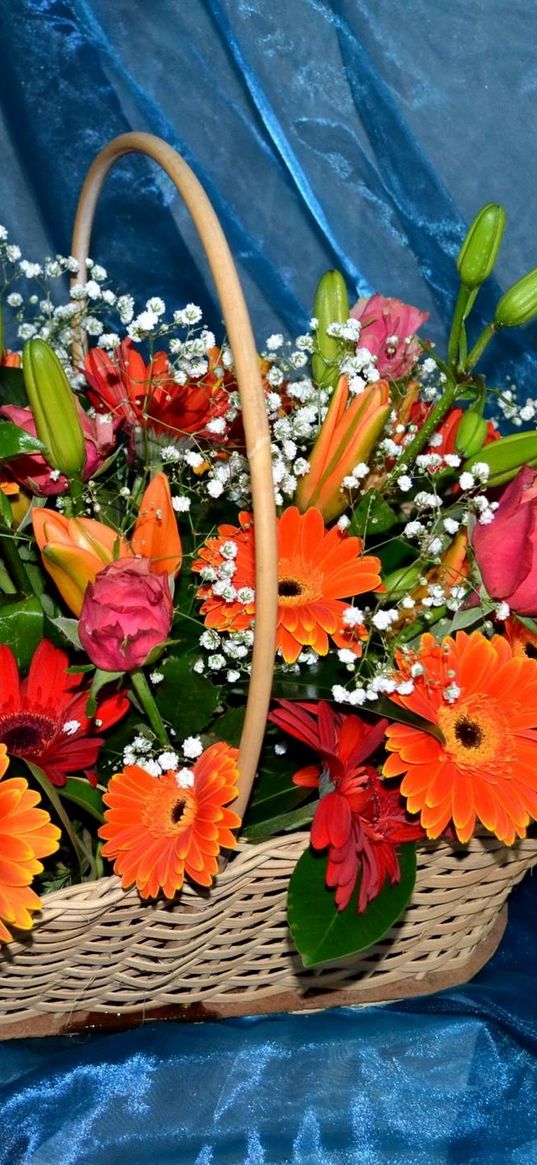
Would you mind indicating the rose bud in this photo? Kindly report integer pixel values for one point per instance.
(506, 549)
(127, 612)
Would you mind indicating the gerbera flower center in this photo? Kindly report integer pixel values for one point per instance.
(26, 733)
(298, 584)
(177, 810)
(475, 732)
(289, 588)
(468, 732)
(169, 810)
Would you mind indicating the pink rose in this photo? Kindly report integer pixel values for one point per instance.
(33, 472)
(506, 549)
(388, 332)
(126, 613)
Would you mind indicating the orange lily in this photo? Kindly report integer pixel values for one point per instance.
(348, 434)
(19, 500)
(155, 534)
(74, 550)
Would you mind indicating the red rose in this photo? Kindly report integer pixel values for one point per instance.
(126, 613)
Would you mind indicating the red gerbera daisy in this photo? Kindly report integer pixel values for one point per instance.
(358, 820)
(43, 718)
(148, 395)
(317, 569)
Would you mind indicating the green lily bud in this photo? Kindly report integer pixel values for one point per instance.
(53, 405)
(519, 304)
(506, 456)
(479, 251)
(330, 306)
(471, 433)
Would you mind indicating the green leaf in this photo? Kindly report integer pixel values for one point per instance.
(14, 441)
(323, 934)
(185, 699)
(372, 515)
(274, 793)
(12, 387)
(21, 628)
(68, 629)
(530, 624)
(229, 726)
(100, 680)
(81, 793)
(283, 823)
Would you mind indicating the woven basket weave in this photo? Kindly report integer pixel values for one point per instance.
(99, 956)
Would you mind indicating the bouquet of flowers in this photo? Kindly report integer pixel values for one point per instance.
(405, 676)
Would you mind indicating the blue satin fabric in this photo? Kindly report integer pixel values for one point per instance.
(326, 132)
(345, 133)
(445, 1080)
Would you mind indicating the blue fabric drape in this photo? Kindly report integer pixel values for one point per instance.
(327, 133)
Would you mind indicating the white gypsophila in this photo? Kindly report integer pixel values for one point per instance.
(502, 611)
(428, 460)
(450, 525)
(214, 488)
(216, 425)
(14, 300)
(108, 340)
(167, 761)
(155, 305)
(343, 523)
(109, 297)
(451, 693)
(70, 727)
(171, 453)
(192, 747)
(466, 481)
(408, 603)
(181, 504)
(30, 270)
(198, 666)
(14, 253)
(405, 688)
(404, 482)
(427, 501)
(340, 694)
(353, 617)
(216, 662)
(188, 316)
(193, 459)
(413, 529)
(382, 620)
(210, 639)
(345, 655)
(481, 470)
(185, 778)
(156, 677)
(93, 291)
(274, 342)
(232, 676)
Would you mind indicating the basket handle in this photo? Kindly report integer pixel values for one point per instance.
(246, 364)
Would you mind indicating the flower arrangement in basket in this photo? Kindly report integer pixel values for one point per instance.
(404, 706)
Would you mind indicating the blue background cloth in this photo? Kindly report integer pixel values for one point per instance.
(327, 133)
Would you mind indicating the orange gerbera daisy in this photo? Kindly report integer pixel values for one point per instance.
(482, 697)
(318, 568)
(522, 640)
(26, 834)
(160, 828)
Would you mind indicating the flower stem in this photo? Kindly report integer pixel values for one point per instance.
(480, 345)
(456, 327)
(421, 439)
(147, 700)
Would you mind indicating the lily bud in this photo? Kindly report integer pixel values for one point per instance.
(479, 251)
(347, 437)
(471, 433)
(506, 456)
(519, 304)
(330, 306)
(53, 406)
(402, 581)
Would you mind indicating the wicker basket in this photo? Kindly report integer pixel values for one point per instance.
(100, 957)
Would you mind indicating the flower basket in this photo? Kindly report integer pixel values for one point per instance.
(100, 956)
